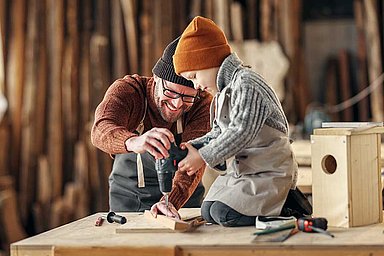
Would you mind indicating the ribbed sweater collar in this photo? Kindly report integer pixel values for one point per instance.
(227, 70)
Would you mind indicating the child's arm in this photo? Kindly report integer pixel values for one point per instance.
(192, 162)
(212, 134)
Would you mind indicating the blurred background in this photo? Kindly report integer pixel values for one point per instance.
(58, 57)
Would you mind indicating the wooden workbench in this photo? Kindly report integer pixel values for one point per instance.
(82, 237)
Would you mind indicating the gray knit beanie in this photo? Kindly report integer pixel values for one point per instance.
(164, 66)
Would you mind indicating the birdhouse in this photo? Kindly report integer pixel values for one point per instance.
(346, 180)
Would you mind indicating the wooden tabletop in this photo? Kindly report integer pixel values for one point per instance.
(82, 237)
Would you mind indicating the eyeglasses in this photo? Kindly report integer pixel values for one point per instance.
(175, 95)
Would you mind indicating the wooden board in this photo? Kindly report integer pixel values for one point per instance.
(148, 223)
(82, 237)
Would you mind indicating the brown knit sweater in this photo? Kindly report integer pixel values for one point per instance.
(122, 109)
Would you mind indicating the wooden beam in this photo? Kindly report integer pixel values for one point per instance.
(129, 11)
(55, 130)
(119, 47)
(362, 76)
(374, 57)
(9, 217)
(28, 151)
(15, 78)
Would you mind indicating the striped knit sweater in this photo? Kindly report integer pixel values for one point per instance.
(253, 105)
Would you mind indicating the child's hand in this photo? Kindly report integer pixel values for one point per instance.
(192, 162)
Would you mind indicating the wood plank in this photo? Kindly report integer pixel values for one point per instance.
(237, 22)
(362, 76)
(146, 39)
(2, 55)
(129, 8)
(42, 81)
(374, 61)
(6, 182)
(221, 17)
(28, 151)
(345, 85)
(85, 69)
(15, 78)
(171, 223)
(55, 130)
(9, 217)
(159, 224)
(83, 236)
(120, 65)
(331, 94)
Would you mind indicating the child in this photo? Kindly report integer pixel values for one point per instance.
(249, 125)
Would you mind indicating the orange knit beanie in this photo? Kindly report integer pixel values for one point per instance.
(202, 45)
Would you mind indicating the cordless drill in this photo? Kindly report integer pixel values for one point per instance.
(167, 167)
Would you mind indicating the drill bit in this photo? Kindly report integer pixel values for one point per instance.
(166, 202)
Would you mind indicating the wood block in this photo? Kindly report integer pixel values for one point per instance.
(346, 186)
(149, 224)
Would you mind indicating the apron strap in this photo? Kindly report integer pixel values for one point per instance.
(139, 162)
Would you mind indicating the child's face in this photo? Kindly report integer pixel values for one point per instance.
(204, 79)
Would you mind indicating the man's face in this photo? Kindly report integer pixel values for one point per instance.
(172, 100)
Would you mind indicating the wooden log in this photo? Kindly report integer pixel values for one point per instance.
(42, 81)
(15, 78)
(237, 22)
(119, 52)
(55, 130)
(251, 19)
(4, 147)
(2, 57)
(345, 85)
(42, 206)
(331, 91)
(81, 179)
(6, 182)
(196, 9)
(86, 111)
(374, 57)
(147, 35)
(209, 9)
(9, 217)
(221, 17)
(295, 104)
(129, 8)
(362, 76)
(265, 23)
(28, 151)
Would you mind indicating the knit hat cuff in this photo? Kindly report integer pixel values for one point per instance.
(165, 71)
(200, 59)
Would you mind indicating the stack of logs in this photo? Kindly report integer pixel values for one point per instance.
(58, 57)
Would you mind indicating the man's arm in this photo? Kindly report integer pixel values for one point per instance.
(118, 115)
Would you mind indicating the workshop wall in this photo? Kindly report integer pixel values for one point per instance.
(58, 57)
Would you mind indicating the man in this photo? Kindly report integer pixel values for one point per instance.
(137, 121)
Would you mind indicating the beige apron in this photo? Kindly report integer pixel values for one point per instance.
(259, 178)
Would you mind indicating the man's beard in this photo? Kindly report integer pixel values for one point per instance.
(161, 106)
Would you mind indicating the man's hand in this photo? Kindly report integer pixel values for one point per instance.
(156, 141)
(160, 207)
(192, 162)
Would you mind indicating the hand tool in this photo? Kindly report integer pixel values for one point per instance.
(110, 217)
(318, 225)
